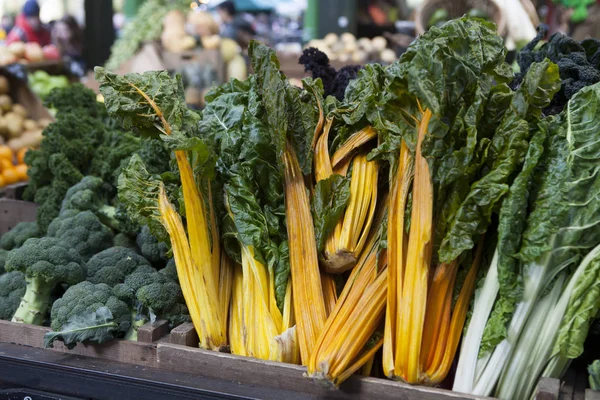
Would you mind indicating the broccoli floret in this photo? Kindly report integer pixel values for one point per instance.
(154, 295)
(170, 271)
(95, 195)
(82, 231)
(12, 289)
(92, 194)
(111, 266)
(124, 240)
(46, 263)
(75, 97)
(50, 196)
(3, 254)
(116, 148)
(88, 312)
(153, 250)
(19, 234)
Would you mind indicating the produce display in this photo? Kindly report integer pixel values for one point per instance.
(389, 220)
(145, 27)
(117, 275)
(347, 48)
(18, 133)
(19, 52)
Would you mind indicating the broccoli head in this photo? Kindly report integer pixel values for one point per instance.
(170, 271)
(3, 254)
(49, 196)
(154, 295)
(82, 231)
(124, 240)
(46, 263)
(110, 155)
(74, 97)
(153, 250)
(19, 234)
(111, 266)
(12, 289)
(88, 312)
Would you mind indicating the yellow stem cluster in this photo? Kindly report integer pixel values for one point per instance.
(421, 328)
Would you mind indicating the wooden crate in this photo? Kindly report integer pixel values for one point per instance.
(177, 351)
(14, 211)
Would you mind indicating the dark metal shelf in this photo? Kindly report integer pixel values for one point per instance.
(78, 377)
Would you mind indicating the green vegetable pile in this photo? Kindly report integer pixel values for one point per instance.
(470, 216)
(83, 240)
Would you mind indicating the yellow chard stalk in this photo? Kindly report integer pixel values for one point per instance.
(307, 293)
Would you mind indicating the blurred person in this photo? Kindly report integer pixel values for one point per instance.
(28, 27)
(227, 15)
(67, 36)
(245, 33)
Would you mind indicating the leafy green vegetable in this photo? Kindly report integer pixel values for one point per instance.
(594, 371)
(329, 201)
(561, 228)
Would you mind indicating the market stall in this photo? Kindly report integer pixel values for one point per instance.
(383, 217)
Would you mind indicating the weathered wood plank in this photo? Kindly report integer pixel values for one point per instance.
(251, 371)
(548, 389)
(125, 351)
(185, 335)
(14, 211)
(152, 331)
(592, 394)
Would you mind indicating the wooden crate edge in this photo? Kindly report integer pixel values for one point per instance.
(125, 351)
(251, 371)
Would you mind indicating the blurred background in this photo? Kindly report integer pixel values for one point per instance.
(206, 40)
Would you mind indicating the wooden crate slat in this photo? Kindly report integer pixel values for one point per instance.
(14, 211)
(185, 335)
(125, 351)
(592, 394)
(153, 331)
(263, 373)
(548, 389)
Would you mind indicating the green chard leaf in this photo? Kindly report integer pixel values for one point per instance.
(149, 104)
(138, 193)
(581, 311)
(330, 199)
(274, 92)
(508, 150)
(303, 114)
(511, 225)
(594, 371)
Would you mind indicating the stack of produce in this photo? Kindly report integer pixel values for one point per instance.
(19, 52)
(347, 49)
(428, 179)
(18, 133)
(117, 275)
(435, 195)
(145, 27)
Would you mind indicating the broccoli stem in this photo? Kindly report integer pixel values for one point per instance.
(34, 304)
(107, 215)
(136, 322)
